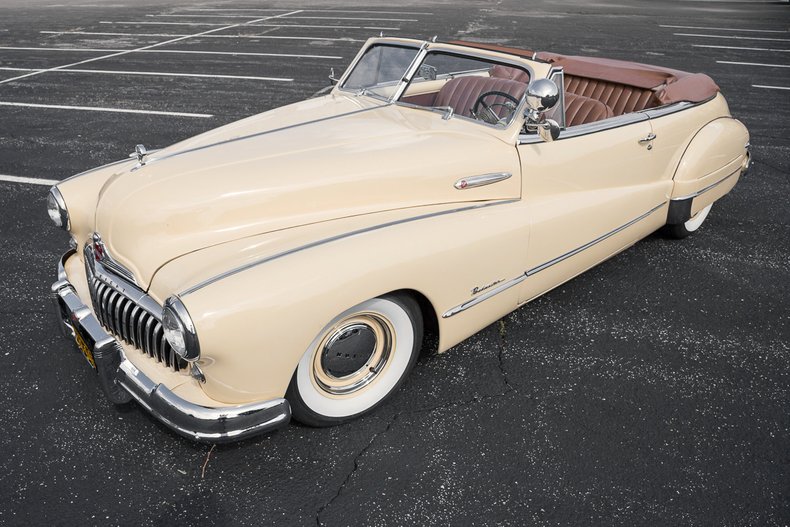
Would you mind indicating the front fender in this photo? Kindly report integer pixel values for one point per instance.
(254, 325)
(81, 193)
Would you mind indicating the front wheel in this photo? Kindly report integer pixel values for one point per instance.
(682, 230)
(358, 360)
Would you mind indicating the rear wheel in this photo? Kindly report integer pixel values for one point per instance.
(682, 230)
(358, 360)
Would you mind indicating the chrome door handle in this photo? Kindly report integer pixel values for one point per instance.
(647, 139)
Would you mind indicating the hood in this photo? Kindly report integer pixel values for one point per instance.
(280, 170)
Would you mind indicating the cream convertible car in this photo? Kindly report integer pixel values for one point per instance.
(287, 264)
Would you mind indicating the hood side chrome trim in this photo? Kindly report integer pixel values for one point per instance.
(331, 239)
(258, 134)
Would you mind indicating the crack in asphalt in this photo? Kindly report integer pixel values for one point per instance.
(445, 406)
(395, 417)
(354, 469)
(502, 345)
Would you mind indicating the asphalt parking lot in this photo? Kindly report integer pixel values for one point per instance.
(652, 390)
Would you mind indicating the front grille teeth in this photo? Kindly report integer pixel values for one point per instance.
(131, 323)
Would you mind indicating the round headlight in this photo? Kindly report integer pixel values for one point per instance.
(56, 208)
(179, 330)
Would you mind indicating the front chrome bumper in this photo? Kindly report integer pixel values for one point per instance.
(122, 381)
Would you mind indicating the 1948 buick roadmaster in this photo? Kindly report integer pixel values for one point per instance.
(287, 264)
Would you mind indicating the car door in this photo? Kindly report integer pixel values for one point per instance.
(590, 193)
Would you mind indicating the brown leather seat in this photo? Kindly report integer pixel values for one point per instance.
(583, 110)
(506, 72)
(621, 98)
(461, 93)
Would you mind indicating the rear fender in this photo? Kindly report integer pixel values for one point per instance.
(710, 167)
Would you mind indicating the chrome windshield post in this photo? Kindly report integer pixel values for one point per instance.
(410, 71)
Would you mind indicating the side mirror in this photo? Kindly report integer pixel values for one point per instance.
(542, 96)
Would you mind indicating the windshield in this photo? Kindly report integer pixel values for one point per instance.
(475, 88)
(380, 69)
(459, 85)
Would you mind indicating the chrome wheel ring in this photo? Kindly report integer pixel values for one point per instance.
(352, 354)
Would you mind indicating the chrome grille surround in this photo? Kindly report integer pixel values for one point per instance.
(128, 312)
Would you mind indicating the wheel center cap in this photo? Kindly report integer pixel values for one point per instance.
(348, 350)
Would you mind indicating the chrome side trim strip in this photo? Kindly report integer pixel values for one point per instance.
(92, 170)
(258, 134)
(481, 180)
(476, 300)
(515, 281)
(331, 239)
(596, 241)
(590, 128)
(704, 190)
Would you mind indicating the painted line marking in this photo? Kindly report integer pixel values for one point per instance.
(132, 22)
(308, 10)
(734, 47)
(354, 18)
(193, 52)
(296, 17)
(771, 87)
(156, 74)
(96, 33)
(731, 36)
(726, 29)
(29, 180)
(118, 54)
(100, 109)
(753, 64)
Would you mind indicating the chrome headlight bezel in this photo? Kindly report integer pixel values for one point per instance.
(56, 208)
(179, 330)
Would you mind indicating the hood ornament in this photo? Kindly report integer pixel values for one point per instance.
(140, 151)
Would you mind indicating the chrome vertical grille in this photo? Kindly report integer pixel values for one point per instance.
(132, 323)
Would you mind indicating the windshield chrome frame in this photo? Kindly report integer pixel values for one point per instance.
(519, 111)
(423, 49)
(418, 48)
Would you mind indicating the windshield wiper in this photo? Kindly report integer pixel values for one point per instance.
(369, 93)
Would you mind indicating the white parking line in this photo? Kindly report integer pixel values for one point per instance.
(726, 29)
(771, 87)
(194, 52)
(155, 74)
(182, 37)
(100, 109)
(731, 36)
(354, 18)
(28, 180)
(737, 47)
(109, 34)
(309, 11)
(248, 25)
(295, 17)
(753, 64)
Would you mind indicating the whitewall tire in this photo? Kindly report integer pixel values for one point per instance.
(681, 230)
(358, 360)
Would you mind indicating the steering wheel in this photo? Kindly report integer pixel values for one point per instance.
(488, 114)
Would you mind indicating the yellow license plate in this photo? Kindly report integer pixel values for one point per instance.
(84, 349)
